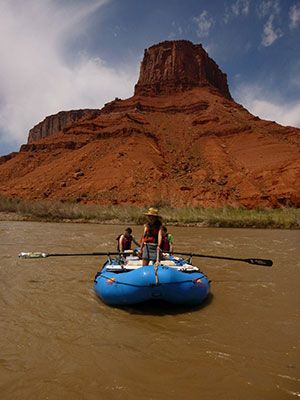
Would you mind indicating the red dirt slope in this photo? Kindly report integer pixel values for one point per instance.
(180, 139)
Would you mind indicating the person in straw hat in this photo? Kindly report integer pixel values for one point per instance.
(152, 237)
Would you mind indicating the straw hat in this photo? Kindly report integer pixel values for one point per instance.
(152, 211)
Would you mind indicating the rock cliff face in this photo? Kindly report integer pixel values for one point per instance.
(56, 123)
(180, 139)
(174, 66)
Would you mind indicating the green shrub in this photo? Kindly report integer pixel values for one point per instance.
(227, 217)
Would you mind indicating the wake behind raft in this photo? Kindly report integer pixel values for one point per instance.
(124, 281)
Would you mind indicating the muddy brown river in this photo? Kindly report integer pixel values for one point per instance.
(59, 341)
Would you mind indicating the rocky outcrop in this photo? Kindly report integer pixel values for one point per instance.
(173, 66)
(180, 139)
(56, 123)
(8, 157)
(167, 67)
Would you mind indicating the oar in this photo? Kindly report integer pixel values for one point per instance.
(255, 261)
(44, 255)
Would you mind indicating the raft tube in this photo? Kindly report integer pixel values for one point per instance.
(126, 287)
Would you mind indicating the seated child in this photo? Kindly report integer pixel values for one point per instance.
(167, 244)
(125, 240)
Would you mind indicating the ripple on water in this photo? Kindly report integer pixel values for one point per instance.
(58, 338)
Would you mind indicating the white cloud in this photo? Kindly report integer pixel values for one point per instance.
(177, 31)
(237, 8)
(270, 9)
(284, 114)
(270, 33)
(267, 106)
(36, 79)
(294, 15)
(204, 23)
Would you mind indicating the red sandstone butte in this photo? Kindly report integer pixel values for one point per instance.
(176, 66)
(181, 139)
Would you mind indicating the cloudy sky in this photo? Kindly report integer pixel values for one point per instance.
(69, 54)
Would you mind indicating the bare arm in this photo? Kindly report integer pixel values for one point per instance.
(135, 241)
(159, 240)
(142, 239)
(121, 243)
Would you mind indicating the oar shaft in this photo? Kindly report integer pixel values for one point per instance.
(81, 254)
(209, 256)
(254, 261)
(44, 255)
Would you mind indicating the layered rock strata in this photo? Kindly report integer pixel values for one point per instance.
(180, 139)
(55, 123)
(174, 66)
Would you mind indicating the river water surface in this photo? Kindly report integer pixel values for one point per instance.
(59, 341)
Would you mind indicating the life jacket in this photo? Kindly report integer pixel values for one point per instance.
(165, 244)
(151, 235)
(126, 242)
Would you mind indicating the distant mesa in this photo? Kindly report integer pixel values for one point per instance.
(55, 123)
(180, 139)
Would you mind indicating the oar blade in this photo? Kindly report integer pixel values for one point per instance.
(33, 255)
(260, 261)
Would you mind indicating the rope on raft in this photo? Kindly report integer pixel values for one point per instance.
(144, 286)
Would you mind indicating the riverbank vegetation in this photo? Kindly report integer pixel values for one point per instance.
(55, 211)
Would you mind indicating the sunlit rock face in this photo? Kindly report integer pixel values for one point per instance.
(55, 123)
(173, 66)
(180, 139)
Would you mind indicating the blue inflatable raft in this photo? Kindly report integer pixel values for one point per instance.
(126, 281)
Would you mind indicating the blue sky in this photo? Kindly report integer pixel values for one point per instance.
(69, 54)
